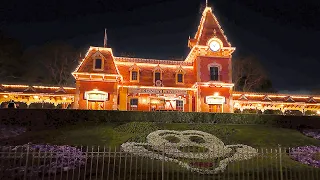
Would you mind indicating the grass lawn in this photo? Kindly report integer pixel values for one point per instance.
(113, 135)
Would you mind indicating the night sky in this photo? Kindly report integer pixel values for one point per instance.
(282, 34)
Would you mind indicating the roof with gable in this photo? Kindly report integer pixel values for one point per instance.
(86, 65)
(208, 28)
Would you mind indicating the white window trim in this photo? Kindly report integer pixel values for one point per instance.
(94, 64)
(134, 68)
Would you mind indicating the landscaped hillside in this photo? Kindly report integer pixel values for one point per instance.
(197, 151)
(88, 134)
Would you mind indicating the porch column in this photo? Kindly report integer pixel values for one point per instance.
(190, 101)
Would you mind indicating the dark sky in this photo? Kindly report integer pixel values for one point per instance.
(283, 34)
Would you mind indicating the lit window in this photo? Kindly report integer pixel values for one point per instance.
(157, 76)
(134, 75)
(179, 105)
(214, 73)
(133, 104)
(98, 64)
(180, 78)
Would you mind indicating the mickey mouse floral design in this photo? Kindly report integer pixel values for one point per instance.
(182, 146)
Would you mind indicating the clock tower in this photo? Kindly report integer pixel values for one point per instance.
(211, 54)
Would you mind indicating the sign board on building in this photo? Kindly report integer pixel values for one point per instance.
(215, 99)
(157, 91)
(95, 95)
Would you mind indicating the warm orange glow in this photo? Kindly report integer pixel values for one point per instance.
(273, 95)
(216, 94)
(153, 61)
(36, 94)
(97, 74)
(230, 85)
(155, 87)
(64, 98)
(237, 104)
(89, 50)
(151, 65)
(96, 95)
(36, 97)
(5, 96)
(40, 87)
(275, 103)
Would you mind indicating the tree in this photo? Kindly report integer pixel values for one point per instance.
(249, 75)
(53, 63)
(126, 54)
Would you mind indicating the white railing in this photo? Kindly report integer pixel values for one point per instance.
(103, 163)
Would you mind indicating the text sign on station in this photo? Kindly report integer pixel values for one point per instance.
(157, 91)
(215, 100)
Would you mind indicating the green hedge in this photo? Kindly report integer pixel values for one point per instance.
(42, 118)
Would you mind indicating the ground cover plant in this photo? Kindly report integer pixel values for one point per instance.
(309, 155)
(8, 131)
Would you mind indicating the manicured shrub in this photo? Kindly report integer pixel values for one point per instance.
(52, 118)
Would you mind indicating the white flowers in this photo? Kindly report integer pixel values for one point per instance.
(207, 146)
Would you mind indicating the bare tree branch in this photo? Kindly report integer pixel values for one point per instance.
(248, 74)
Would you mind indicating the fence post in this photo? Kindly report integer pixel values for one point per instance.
(280, 163)
(163, 161)
(26, 166)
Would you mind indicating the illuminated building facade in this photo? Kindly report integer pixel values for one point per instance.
(200, 83)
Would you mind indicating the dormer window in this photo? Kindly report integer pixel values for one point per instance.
(179, 78)
(180, 75)
(134, 73)
(214, 73)
(98, 64)
(157, 76)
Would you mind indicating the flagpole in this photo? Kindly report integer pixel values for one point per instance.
(105, 38)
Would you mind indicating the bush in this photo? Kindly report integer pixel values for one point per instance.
(51, 118)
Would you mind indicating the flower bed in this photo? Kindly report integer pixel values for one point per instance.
(192, 146)
(10, 131)
(54, 158)
(314, 133)
(306, 155)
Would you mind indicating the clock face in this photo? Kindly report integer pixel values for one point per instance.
(214, 46)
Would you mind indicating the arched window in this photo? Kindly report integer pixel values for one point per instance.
(179, 78)
(98, 61)
(134, 73)
(214, 73)
(180, 75)
(157, 74)
(98, 64)
(214, 70)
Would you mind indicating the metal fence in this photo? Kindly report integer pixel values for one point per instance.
(101, 163)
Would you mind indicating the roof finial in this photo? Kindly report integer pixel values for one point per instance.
(206, 3)
(105, 38)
